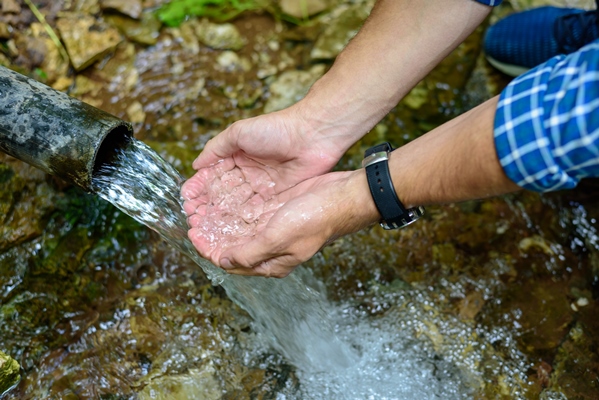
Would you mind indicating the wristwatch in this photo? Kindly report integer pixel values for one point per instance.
(394, 214)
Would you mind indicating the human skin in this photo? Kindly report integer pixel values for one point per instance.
(400, 42)
(455, 162)
(285, 207)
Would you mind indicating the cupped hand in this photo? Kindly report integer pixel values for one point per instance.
(275, 151)
(246, 233)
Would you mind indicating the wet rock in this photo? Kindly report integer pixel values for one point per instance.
(5, 31)
(11, 6)
(149, 336)
(53, 65)
(136, 113)
(84, 85)
(576, 366)
(195, 384)
(66, 256)
(342, 29)
(291, 86)
(539, 243)
(542, 312)
(229, 61)
(186, 34)
(86, 39)
(266, 71)
(63, 83)
(417, 97)
(25, 199)
(302, 9)
(219, 36)
(9, 373)
(120, 70)
(131, 8)
(471, 305)
(31, 51)
(85, 6)
(145, 31)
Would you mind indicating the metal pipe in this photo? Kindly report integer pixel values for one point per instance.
(55, 132)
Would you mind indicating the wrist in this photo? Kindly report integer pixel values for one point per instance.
(341, 113)
(362, 208)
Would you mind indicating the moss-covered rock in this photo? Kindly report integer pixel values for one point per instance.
(9, 373)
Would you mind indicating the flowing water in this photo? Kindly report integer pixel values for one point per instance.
(338, 351)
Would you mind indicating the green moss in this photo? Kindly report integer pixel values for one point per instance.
(176, 11)
(9, 373)
(6, 173)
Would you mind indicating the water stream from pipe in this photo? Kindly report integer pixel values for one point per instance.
(338, 352)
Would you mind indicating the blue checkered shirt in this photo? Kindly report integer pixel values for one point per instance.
(547, 123)
(490, 2)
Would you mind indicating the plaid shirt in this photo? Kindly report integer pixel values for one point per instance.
(490, 2)
(547, 123)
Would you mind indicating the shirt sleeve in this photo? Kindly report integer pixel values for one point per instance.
(492, 3)
(547, 123)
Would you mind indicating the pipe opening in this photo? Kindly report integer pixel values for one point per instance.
(118, 138)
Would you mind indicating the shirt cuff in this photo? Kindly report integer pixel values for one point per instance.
(546, 125)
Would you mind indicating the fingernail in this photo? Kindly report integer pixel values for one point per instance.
(225, 263)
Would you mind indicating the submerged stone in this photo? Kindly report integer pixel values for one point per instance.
(195, 384)
(9, 373)
(219, 36)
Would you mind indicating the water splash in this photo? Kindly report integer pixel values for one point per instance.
(141, 184)
(339, 352)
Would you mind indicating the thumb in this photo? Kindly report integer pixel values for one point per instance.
(223, 145)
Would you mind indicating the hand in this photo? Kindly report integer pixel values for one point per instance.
(274, 151)
(246, 234)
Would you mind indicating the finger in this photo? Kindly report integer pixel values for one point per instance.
(205, 245)
(219, 147)
(278, 267)
(196, 220)
(248, 254)
(222, 166)
(193, 187)
(190, 206)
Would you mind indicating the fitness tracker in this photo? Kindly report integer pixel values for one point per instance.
(394, 214)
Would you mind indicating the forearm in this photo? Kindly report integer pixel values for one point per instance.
(398, 45)
(454, 162)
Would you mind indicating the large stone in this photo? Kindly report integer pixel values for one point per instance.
(337, 34)
(195, 384)
(87, 40)
(85, 6)
(144, 31)
(9, 373)
(25, 199)
(11, 6)
(131, 8)
(303, 8)
(219, 36)
(291, 86)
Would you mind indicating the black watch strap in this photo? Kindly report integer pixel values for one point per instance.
(394, 214)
